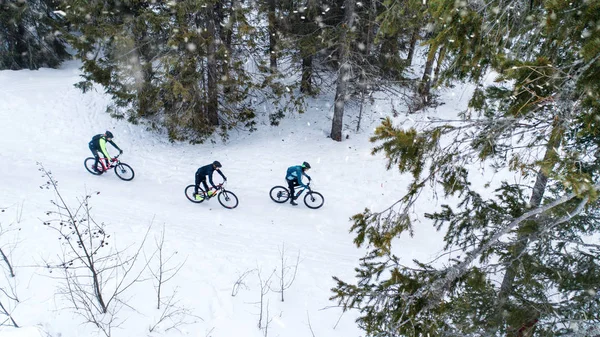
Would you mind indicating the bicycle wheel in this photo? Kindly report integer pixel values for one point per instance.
(89, 166)
(189, 193)
(124, 171)
(227, 199)
(279, 194)
(314, 200)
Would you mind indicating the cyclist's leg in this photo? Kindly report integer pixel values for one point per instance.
(204, 184)
(105, 164)
(97, 161)
(95, 154)
(197, 182)
(291, 184)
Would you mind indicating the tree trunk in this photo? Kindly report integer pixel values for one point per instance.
(307, 69)
(273, 35)
(4, 311)
(343, 73)
(425, 85)
(522, 240)
(372, 18)
(226, 33)
(143, 83)
(22, 50)
(411, 48)
(363, 81)
(10, 268)
(144, 92)
(212, 107)
(307, 52)
(440, 61)
(389, 60)
(362, 103)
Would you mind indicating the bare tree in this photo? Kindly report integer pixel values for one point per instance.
(8, 295)
(172, 313)
(93, 283)
(4, 252)
(285, 279)
(240, 282)
(265, 286)
(310, 325)
(8, 298)
(267, 320)
(163, 273)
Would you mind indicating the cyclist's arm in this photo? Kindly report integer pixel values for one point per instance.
(211, 181)
(222, 175)
(102, 143)
(115, 145)
(307, 176)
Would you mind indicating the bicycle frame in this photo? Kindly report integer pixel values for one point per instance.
(220, 189)
(106, 164)
(312, 199)
(297, 195)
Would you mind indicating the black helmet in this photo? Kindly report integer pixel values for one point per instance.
(305, 165)
(217, 164)
(109, 134)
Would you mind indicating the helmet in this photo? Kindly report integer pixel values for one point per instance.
(217, 164)
(305, 165)
(109, 134)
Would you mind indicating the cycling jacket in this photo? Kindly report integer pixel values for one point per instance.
(208, 170)
(98, 143)
(295, 173)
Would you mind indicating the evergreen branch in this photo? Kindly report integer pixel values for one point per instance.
(455, 272)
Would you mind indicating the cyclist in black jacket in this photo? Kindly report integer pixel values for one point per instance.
(98, 146)
(201, 174)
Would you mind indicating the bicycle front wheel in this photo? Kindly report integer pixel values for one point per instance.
(314, 200)
(89, 166)
(189, 193)
(279, 194)
(227, 199)
(124, 171)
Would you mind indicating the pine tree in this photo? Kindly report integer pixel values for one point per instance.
(368, 57)
(182, 66)
(523, 261)
(30, 35)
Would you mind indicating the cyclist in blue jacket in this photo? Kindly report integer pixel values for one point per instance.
(294, 178)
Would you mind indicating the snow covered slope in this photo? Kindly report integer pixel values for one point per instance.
(43, 118)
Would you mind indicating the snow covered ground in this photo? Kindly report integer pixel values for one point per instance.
(43, 118)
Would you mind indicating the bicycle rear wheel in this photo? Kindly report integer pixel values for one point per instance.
(124, 171)
(89, 166)
(314, 200)
(279, 194)
(189, 193)
(227, 199)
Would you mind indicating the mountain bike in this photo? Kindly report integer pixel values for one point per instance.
(122, 170)
(226, 198)
(312, 199)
